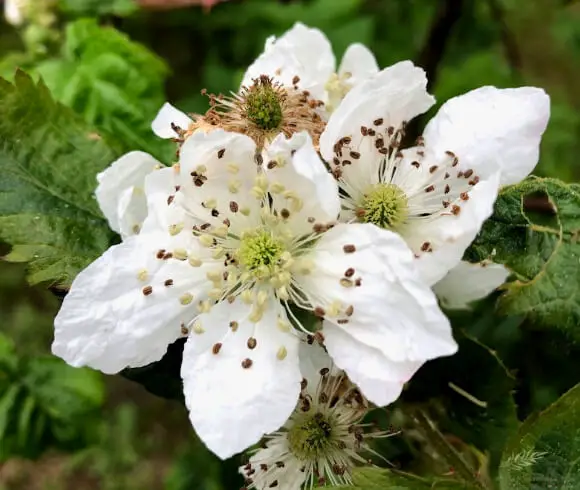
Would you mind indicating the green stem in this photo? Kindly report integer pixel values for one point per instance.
(446, 450)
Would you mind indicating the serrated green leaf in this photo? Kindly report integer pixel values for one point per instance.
(545, 451)
(115, 83)
(49, 159)
(534, 231)
(381, 479)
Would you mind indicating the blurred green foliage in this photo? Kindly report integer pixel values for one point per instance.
(114, 64)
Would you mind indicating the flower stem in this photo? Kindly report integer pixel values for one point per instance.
(446, 450)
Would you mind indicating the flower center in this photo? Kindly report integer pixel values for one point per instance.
(385, 205)
(311, 437)
(259, 253)
(263, 105)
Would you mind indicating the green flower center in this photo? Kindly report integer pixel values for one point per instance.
(311, 437)
(263, 106)
(259, 253)
(385, 205)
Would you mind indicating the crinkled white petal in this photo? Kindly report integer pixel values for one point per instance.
(469, 282)
(232, 407)
(393, 311)
(120, 191)
(491, 125)
(302, 51)
(168, 115)
(107, 322)
(449, 235)
(396, 94)
(380, 379)
(359, 62)
(303, 175)
(229, 170)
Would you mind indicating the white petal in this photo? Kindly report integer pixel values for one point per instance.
(225, 159)
(302, 51)
(380, 379)
(303, 174)
(120, 191)
(392, 310)
(359, 62)
(396, 94)
(232, 407)
(449, 235)
(490, 125)
(469, 282)
(168, 115)
(108, 323)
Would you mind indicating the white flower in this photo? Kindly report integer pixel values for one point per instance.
(437, 194)
(120, 192)
(227, 245)
(305, 54)
(323, 439)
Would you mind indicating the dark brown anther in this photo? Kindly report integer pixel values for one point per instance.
(474, 181)
(447, 189)
(168, 282)
(272, 164)
(170, 199)
(364, 131)
(160, 253)
(234, 206)
(285, 213)
(349, 311)
(342, 321)
(280, 464)
(446, 175)
(310, 339)
(433, 169)
(349, 272)
(378, 122)
(247, 363)
(252, 342)
(379, 143)
(216, 348)
(221, 152)
(295, 79)
(259, 159)
(371, 132)
(147, 290)
(384, 150)
(464, 196)
(358, 282)
(426, 247)
(215, 213)
(264, 467)
(184, 330)
(324, 371)
(468, 173)
(303, 384)
(346, 162)
(355, 155)
(455, 210)
(431, 188)
(416, 164)
(348, 249)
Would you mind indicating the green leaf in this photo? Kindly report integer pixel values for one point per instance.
(381, 479)
(49, 160)
(115, 83)
(545, 451)
(534, 231)
(478, 409)
(45, 403)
